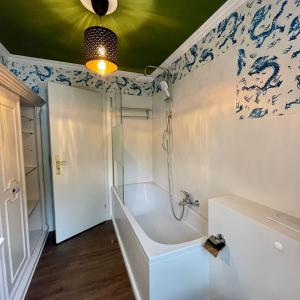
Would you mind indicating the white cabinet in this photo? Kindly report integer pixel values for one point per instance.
(11, 189)
(23, 236)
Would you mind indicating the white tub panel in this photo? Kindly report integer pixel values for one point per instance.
(137, 261)
(185, 277)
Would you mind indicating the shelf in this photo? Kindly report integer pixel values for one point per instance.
(31, 205)
(136, 117)
(26, 118)
(29, 169)
(136, 109)
(28, 131)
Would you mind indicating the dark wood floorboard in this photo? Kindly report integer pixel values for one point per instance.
(86, 267)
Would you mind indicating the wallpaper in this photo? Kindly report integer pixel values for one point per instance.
(36, 76)
(266, 36)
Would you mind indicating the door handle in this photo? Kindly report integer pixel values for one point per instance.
(59, 163)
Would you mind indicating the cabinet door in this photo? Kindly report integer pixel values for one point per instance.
(13, 215)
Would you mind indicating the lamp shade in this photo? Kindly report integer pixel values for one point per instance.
(101, 50)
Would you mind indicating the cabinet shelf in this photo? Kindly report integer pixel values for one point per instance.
(31, 205)
(28, 131)
(28, 170)
(26, 118)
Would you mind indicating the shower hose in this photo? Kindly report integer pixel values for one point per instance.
(167, 145)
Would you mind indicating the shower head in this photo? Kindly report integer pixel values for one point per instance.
(155, 68)
(147, 78)
(164, 87)
(144, 78)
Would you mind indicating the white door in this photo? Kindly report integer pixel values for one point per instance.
(78, 159)
(13, 227)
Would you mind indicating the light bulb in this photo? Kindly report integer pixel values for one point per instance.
(101, 66)
(101, 51)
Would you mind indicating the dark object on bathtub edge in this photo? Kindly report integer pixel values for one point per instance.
(214, 244)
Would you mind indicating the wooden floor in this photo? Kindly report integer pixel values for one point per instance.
(86, 267)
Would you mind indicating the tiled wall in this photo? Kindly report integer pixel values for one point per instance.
(266, 35)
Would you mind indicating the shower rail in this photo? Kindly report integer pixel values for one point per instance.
(147, 112)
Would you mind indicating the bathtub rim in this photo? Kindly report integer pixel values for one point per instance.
(153, 250)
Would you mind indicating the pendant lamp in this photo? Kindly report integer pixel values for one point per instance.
(101, 43)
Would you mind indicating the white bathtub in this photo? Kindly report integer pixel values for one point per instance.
(164, 257)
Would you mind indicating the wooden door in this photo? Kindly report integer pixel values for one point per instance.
(78, 159)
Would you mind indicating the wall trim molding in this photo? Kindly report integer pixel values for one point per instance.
(210, 23)
(16, 86)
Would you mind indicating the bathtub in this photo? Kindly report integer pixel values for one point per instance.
(164, 258)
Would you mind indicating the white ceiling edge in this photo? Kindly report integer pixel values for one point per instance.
(211, 22)
(27, 60)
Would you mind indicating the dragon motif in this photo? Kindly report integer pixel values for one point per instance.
(63, 79)
(42, 76)
(237, 20)
(295, 54)
(121, 81)
(294, 30)
(85, 79)
(258, 113)
(298, 81)
(36, 89)
(241, 60)
(207, 54)
(290, 104)
(261, 64)
(137, 91)
(189, 64)
(260, 16)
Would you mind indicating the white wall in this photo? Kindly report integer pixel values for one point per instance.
(217, 154)
(137, 141)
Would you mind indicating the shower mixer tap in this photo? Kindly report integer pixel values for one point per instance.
(188, 200)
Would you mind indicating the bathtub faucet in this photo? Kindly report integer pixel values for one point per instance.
(188, 200)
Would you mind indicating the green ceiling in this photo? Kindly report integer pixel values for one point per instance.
(148, 30)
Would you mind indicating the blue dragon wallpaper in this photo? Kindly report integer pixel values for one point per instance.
(266, 36)
(37, 75)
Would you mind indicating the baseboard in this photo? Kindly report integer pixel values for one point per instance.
(128, 268)
(23, 285)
